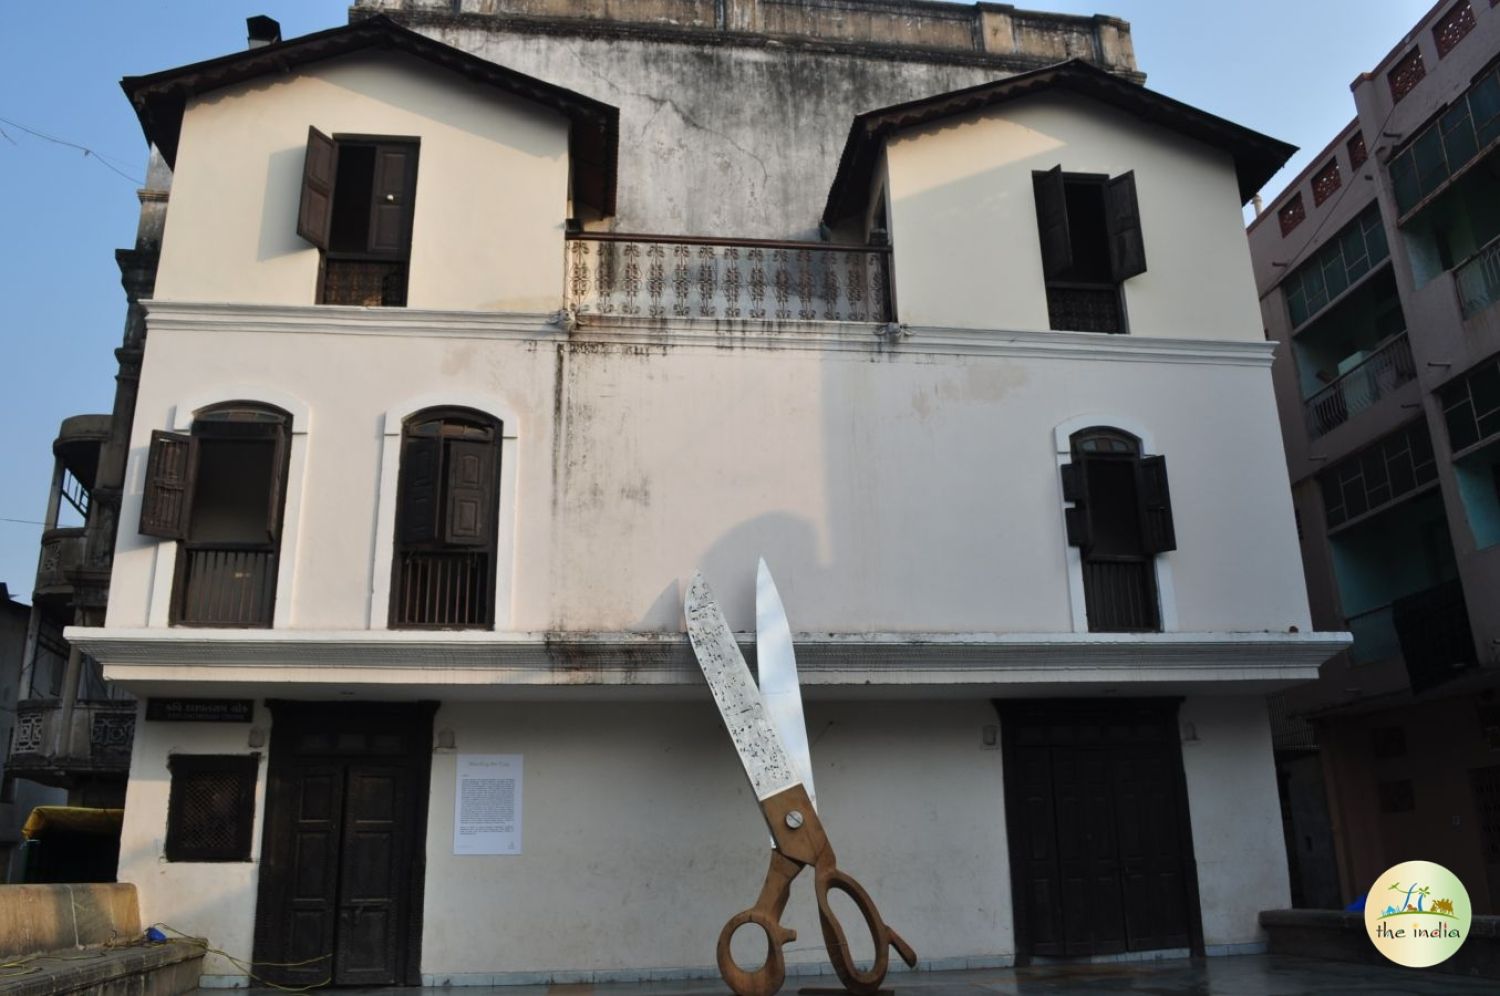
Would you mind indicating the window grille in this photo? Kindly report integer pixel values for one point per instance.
(1449, 31)
(1291, 215)
(1326, 182)
(211, 806)
(1406, 74)
(1357, 153)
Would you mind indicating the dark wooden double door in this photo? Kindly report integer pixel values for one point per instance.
(1101, 854)
(342, 856)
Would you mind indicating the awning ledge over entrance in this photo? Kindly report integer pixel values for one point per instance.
(503, 665)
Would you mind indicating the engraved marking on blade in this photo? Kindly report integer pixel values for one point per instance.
(728, 676)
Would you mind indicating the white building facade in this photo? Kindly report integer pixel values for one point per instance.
(426, 448)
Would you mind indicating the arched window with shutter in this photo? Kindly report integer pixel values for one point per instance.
(1120, 518)
(221, 490)
(446, 517)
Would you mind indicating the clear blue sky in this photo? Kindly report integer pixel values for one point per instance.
(1279, 66)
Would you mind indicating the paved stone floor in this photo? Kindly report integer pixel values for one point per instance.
(1247, 975)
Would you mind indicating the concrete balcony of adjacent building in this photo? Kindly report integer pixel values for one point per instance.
(62, 553)
(60, 743)
(75, 451)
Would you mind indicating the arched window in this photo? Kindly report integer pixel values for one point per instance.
(1120, 520)
(446, 514)
(220, 490)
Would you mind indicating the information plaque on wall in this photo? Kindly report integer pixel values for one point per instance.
(200, 710)
(487, 804)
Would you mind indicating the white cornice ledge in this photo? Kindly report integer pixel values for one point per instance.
(673, 333)
(666, 659)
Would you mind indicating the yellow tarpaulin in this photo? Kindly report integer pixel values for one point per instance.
(73, 819)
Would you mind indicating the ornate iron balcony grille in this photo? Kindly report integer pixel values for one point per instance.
(649, 276)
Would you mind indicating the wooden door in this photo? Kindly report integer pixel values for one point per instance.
(1101, 856)
(343, 842)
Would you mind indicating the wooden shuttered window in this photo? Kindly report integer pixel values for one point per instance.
(391, 199)
(1057, 230)
(421, 457)
(166, 499)
(1154, 500)
(315, 211)
(471, 489)
(1075, 482)
(1052, 222)
(1153, 503)
(1122, 218)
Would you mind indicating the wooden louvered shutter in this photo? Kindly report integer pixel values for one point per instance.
(167, 497)
(418, 500)
(1075, 480)
(315, 212)
(1122, 217)
(276, 488)
(391, 199)
(471, 476)
(1158, 535)
(1052, 222)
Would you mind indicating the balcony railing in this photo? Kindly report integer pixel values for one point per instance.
(442, 589)
(1428, 630)
(1478, 280)
(62, 551)
(224, 586)
(650, 276)
(1120, 595)
(53, 744)
(1380, 373)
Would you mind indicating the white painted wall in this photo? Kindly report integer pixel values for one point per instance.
(965, 231)
(492, 186)
(642, 837)
(895, 491)
(1236, 816)
(215, 900)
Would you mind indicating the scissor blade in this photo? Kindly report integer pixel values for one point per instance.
(755, 738)
(777, 663)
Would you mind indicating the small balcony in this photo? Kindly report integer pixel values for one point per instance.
(1364, 379)
(1478, 280)
(672, 277)
(53, 747)
(226, 585)
(62, 552)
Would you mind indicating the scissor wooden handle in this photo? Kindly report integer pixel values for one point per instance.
(800, 841)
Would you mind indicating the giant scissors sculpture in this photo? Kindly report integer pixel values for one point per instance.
(770, 735)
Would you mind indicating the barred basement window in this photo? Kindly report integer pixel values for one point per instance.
(358, 193)
(1406, 74)
(1326, 182)
(211, 806)
(1457, 23)
(1089, 226)
(1291, 215)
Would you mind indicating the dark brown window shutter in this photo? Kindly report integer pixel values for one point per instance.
(391, 196)
(1122, 215)
(1052, 222)
(166, 498)
(1075, 480)
(1158, 535)
(420, 456)
(471, 477)
(276, 493)
(315, 213)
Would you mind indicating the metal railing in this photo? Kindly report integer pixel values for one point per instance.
(657, 276)
(442, 590)
(1428, 630)
(1374, 633)
(226, 586)
(1120, 595)
(1384, 370)
(1478, 280)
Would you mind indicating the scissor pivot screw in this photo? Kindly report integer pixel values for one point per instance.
(794, 819)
